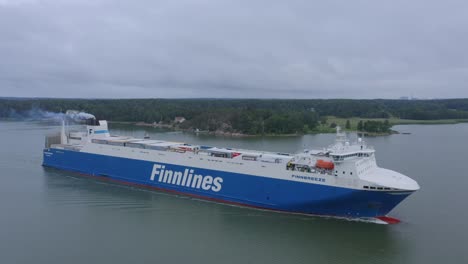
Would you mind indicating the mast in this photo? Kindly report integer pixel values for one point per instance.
(340, 136)
(63, 136)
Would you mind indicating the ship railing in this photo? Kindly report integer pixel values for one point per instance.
(307, 168)
(227, 153)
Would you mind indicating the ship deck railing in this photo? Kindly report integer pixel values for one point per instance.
(250, 155)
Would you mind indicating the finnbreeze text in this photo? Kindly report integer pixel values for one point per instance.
(308, 178)
(186, 178)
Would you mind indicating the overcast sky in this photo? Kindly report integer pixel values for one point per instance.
(241, 49)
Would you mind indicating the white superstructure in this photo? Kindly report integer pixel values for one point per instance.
(343, 164)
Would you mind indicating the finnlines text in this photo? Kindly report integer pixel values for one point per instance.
(188, 178)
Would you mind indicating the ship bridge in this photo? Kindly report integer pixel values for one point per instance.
(343, 149)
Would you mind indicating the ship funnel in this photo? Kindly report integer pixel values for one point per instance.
(92, 122)
(98, 129)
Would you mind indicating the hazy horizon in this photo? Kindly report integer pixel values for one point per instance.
(229, 49)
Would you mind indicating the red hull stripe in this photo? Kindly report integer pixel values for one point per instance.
(388, 219)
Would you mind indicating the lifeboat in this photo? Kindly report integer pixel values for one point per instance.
(323, 164)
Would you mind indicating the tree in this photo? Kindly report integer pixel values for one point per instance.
(386, 126)
(323, 120)
(348, 124)
(360, 126)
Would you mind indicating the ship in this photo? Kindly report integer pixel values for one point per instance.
(341, 180)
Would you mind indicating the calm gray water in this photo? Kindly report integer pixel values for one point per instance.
(51, 216)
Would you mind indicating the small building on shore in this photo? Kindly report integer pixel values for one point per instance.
(179, 119)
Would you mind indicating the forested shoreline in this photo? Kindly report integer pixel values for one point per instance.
(248, 116)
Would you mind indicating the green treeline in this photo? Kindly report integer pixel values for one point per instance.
(374, 126)
(253, 121)
(249, 116)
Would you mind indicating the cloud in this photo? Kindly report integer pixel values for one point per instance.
(217, 48)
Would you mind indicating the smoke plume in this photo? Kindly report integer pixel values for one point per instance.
(37, 114)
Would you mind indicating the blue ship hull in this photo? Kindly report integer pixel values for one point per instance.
(241, 189)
